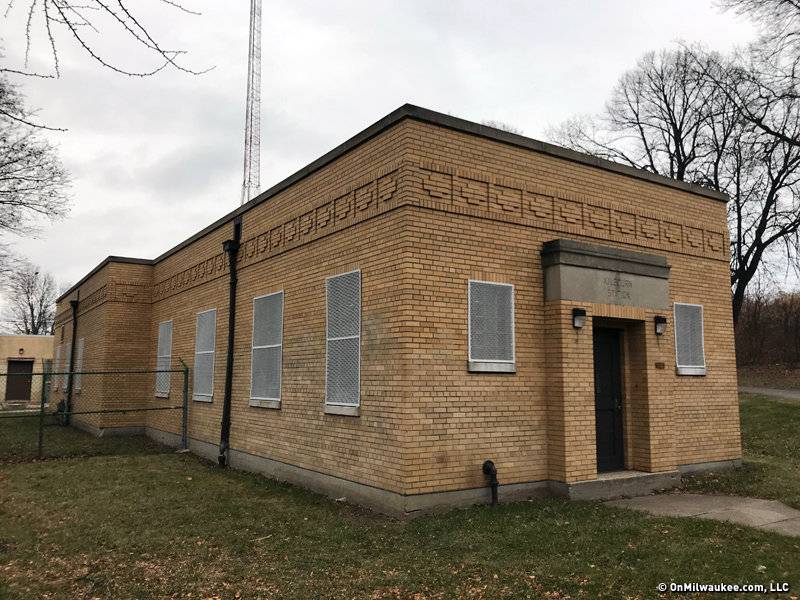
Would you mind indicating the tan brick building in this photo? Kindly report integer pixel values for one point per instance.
(24, 358)
(431, 294)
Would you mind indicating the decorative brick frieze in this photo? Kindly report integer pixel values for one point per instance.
(129, 291)
(471, 192)
(352, 204)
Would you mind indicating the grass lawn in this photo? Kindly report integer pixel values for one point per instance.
(166, 526)
(771, 445)
(172, 526)
(19, 441)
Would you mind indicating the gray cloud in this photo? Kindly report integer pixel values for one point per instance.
(157, 159)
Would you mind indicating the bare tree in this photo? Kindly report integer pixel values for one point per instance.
(33, 182)
(653, 121)
(31, 300)
(769, 330)
(83, 22)
(779, 39)
(768, 91)
(670, 116)
(8, 262)
(502, 126)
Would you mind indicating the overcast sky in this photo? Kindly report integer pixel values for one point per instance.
(156, 159)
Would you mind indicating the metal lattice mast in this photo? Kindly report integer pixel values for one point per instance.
(251, 184)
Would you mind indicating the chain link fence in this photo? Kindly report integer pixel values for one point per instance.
(90, 413)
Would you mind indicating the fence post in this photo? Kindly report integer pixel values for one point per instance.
(185, 420)
(40, 446)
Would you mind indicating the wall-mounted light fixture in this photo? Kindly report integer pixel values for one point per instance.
(661, 325)
(578, 318)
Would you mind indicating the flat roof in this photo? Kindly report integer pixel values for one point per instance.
(424, 115)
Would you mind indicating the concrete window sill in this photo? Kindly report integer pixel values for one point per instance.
(162, 394)
(347, 411)
(202, 398)
(264, 403)
(491, 367)
(691, 371)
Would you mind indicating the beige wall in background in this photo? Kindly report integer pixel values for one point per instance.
(16, 347)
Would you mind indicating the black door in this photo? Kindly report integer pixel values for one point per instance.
(608, 399)
(18, 380)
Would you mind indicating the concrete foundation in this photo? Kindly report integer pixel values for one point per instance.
(106, 431)
(617, 485)
(383, 501)
(605, 487)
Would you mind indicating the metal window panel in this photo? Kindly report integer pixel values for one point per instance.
(163, 376)
(266, 373)
(206, 334)
(205, 340)
(68, 369)
(78, 363)
(57, 367)
(267, 350)
(343, 371)
(204, 374)
(164, 359)
(343, 340)
(268, 320)
(344, 305)
(491, 325)
(164, 338)
(689, 342)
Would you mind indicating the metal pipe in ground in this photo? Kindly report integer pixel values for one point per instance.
(490, 470)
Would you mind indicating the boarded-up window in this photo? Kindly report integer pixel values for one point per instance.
(689, 345)
(163, 359)
(68, 366)
(58, 367)
(204, 342)
(78, 363)
(491, 326)
(267, 351)
(343, 339)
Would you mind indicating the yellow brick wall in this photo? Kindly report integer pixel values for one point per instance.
(420, 210)
(485, 210)
(338, 220)
(114, 322)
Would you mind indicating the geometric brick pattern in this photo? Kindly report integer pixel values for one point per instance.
(420, 210)
(481, 194)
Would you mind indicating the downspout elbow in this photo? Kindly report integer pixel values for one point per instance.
(490, 471)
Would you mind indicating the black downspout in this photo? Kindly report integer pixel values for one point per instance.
(74, 305)
(231, 247)
(490, 470)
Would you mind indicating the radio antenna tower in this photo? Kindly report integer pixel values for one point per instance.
(251, 185)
